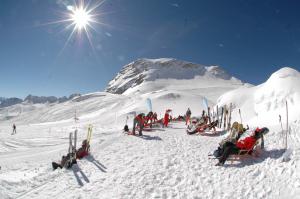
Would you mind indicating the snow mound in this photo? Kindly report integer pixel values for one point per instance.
(143, 70)
(266, 101)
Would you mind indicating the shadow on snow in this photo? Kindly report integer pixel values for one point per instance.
(251, 160)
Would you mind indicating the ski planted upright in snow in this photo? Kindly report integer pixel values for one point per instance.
(225, 116)
(221, 119)
(229, 117)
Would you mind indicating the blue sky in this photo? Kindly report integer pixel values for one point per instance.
(249, 39)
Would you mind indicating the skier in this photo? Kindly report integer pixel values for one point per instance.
(188, 116)
(14, 129)
(166, 118)
(245, 144)
(139, 122)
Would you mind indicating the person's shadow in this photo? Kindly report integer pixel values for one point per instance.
(99, 165)
(263, 155)
(77, 170)
(149, 137)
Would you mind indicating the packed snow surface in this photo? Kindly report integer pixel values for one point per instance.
(165, 162)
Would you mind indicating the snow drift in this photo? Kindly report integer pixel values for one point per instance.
(263, 103)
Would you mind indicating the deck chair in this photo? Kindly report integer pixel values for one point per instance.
(244, 153)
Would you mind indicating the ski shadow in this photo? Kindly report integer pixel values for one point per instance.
(99, 165)
(76, 171)
(251, 160)
(149, 137)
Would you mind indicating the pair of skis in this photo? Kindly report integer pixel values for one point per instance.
(72, 150)
(225, 120)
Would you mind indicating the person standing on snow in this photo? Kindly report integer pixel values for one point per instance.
(188, 116)
(14, 129)
(166, 119)
(154, 117)
(138, 122)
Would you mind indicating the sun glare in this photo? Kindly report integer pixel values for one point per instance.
(81, 18)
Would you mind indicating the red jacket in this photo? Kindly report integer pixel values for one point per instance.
(247, 143)
(140, 119)
(166, 118)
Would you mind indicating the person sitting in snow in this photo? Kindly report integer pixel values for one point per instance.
(66, 162)
(138, 122)
(180, 118)
(83, 150)
(245, 144)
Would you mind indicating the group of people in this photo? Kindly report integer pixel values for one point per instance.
(201, 124)
(228, 146)
(141, 120)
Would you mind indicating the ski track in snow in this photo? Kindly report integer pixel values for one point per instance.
(165, 163)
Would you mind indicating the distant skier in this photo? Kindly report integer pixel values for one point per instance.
(188, 116)
(14, 129)
(138, 122)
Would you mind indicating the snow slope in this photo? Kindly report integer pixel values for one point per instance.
(165, 163)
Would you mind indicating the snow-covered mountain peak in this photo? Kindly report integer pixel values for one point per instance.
(143, 70)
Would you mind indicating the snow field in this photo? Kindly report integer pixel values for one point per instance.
(165, 163)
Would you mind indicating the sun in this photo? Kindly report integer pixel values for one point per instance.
(81, 18)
